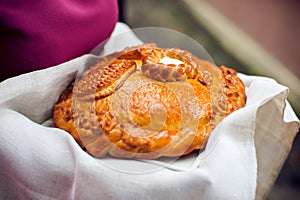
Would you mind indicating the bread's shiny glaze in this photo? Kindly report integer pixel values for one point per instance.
(131, 105)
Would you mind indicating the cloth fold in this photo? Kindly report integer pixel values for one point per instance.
(39, 161)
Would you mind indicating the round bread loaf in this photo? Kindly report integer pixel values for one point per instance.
(134, 104)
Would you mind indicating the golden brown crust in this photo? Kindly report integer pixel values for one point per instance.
(101, 81)
(131, 105)
(63, 114)
(234, 90)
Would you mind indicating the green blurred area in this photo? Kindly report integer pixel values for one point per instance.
(171, 14)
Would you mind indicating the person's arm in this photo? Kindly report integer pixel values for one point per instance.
(39, 34)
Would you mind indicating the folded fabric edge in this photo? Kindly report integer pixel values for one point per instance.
(279, 140)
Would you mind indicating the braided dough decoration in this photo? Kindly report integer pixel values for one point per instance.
(130, 104)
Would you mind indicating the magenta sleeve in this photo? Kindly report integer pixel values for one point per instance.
(38, 34)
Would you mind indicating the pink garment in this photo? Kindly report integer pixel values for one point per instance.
(38, 34)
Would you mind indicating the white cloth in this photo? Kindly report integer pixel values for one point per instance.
(242, 159)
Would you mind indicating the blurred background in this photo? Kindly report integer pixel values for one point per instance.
(256, 37)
